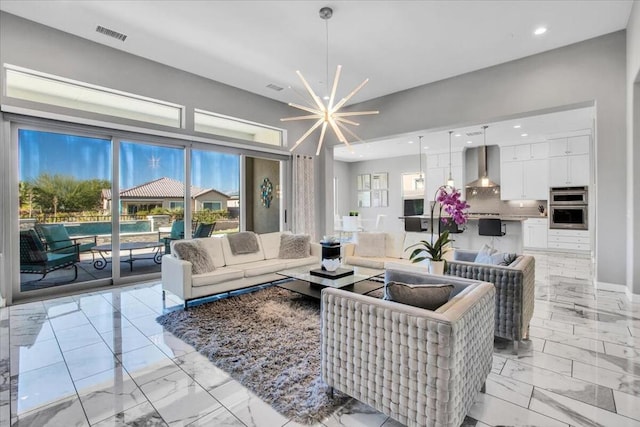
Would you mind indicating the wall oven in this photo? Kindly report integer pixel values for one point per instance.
(568, 196)
(568, 216)
(568, 208)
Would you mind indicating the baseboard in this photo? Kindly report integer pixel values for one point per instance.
(631, 297)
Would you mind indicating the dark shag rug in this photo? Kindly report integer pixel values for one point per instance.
(269, 341)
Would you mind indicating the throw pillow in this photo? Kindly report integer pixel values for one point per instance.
(423, 296)
(370, 245)
(294, 246)
(194, 252)
(502, 258)
(484, 255)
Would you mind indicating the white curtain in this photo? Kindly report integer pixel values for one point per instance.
(304, 212)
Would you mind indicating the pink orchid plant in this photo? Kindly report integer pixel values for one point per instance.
(449, 200)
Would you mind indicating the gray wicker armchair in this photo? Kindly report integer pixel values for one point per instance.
(418, 366)
(515, 290)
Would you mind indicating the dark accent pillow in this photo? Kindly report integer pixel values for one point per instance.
(423, 296)
(194, 252)
(293, 246)
(507, 259)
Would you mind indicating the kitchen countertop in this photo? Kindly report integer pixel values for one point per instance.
(472, 217)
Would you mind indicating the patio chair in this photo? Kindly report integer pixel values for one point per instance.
(204, 230)
(57, 240)
(35, 259)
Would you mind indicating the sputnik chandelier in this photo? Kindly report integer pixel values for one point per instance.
(328, 115)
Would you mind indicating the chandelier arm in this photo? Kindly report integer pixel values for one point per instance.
(336, 79)
(337, 131)
(324, 129)
(347, 121)
(303, 108)
(306, 134)
(349, 131)
(304, 97)
(355, 113)
(312, 116)
(348, 97)
(311, 92)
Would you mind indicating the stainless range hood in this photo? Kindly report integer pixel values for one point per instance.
(483, 176)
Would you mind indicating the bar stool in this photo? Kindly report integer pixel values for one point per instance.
(491, 227)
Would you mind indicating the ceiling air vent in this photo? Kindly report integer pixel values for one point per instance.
(111, 33)
(274, 87)
(474, 133)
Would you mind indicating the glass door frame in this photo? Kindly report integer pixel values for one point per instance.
(13, 231)
(9, 222)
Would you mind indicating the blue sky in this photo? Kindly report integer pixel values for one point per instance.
(89, 158)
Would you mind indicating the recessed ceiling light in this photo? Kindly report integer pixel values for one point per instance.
(524, 134)
(540, 31)
(516, 126)
(426, 148)
(410, 142)
(469, 142)
(457, 134)
(361, 155)
(326, 97)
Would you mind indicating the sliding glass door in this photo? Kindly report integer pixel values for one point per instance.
(215, 192)
(63, 179)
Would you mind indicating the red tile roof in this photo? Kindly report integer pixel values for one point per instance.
(161, 188)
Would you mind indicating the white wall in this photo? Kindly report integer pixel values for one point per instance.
(592, 72)
(395, 167)
(633, 149)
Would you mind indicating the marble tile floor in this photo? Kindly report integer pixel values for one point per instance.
(100, 359)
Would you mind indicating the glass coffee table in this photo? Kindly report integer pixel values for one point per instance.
(362, 281)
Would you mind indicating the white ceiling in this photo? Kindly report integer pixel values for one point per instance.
(397, 44)
(534, 128)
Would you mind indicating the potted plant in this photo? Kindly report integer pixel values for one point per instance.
(448, 199)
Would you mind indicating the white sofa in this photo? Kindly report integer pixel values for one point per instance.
(232, 272)
(395, 250)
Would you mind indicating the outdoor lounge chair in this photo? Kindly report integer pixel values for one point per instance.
(177, 233)
(58, 240)
(34, 259)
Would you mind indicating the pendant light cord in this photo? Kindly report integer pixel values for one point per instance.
(326, 23)
(420, 153)
(450, 132)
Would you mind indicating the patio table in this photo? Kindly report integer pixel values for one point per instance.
(101, 263)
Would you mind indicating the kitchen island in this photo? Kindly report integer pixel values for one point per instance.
(512, 241)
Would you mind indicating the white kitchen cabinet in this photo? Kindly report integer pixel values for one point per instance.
(570, 146)
(524, 180)
(540, 151)
(569, 170)
(514, 153)
(534, 233)
(569, 240)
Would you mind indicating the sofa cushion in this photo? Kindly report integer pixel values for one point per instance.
(244, 242)
(270, 244)
(267, 266)
(294, 246)
(231, 259)
(484, 255)
(194, 252)
(213, 245)
(219, 275)
(311, 261)
(424, 296)
(370, 244)
(393, 245)
(370, 262)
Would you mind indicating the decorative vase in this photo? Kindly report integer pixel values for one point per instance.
(436, 267)
(331, 264)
